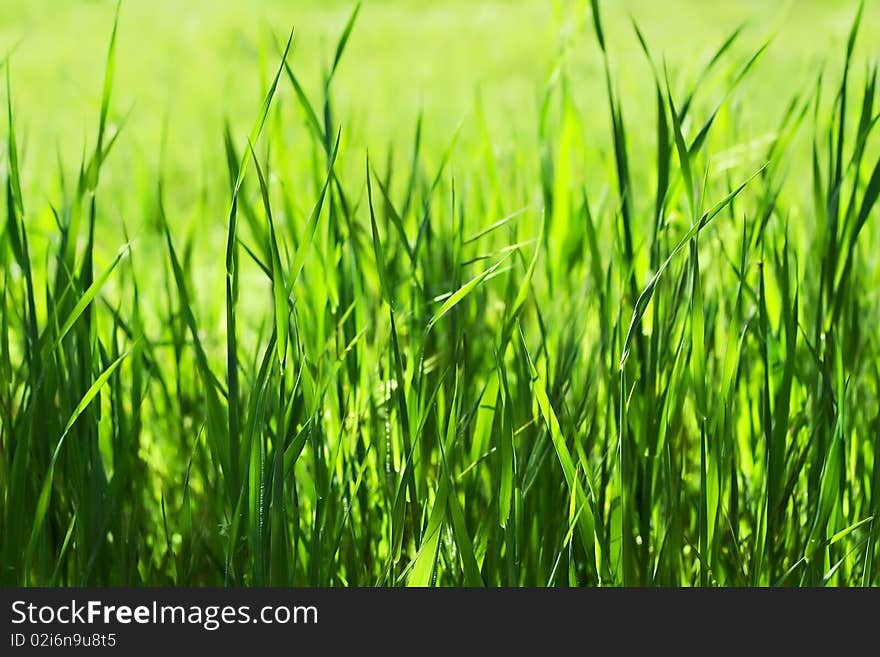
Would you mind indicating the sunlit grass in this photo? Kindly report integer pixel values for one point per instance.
(637, 349)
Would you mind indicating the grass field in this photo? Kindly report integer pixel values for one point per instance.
(503, 294)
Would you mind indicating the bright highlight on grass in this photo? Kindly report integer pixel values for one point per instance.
(664, 371)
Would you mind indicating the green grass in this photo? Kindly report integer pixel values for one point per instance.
(614, 325)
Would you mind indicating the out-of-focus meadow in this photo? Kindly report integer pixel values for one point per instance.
(183, 68)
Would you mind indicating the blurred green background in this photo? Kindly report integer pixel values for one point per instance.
(187, 65)
(195, 62)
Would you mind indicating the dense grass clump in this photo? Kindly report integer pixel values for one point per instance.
(391, 370)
